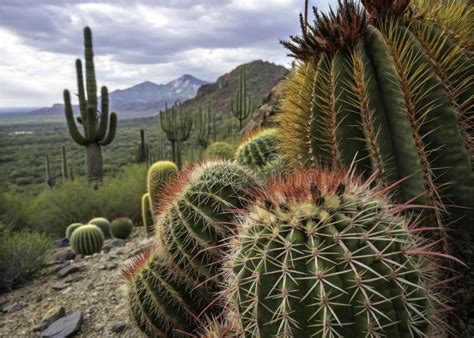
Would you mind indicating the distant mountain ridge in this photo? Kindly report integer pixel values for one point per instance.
(140, 100)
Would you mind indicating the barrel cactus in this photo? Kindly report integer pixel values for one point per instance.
(322, 255)
(87, 240)
(70, 229)
(259, 149)
(103, 225)
(222, 150)
(172, 290)
(121, 227)
(158, 176)
(147, 216)
(388, 87)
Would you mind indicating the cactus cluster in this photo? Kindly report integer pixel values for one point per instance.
(171, 288)
(216, 150)
(87, 240)
(394, 96)
(259, 149)
(70, 229)
(121, 227)
(103, 225)
(322, 255)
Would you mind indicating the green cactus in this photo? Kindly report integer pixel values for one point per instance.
(393, 96)
(259, 149)
(173, 289)
(242, 105)
(121, 227)
(159, 174)
(64, 168)
(98, 130)
(322, 255)
(47, 169)
(147, 216)
(206, 126)
(70, 229)
(142, 149)
(103, 225)
(222, 150)
(177, 124)
(87, 240)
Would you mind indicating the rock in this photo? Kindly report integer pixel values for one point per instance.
(65, 326)
(52, 315)
(116, 251)
(67, 270)
(119, 327)
(65, 255)
(60, 286)
(62, 242)
(61, 265)
(78, 258)
(39, 298)
(72, 278)
(114, 243)
(14, 307)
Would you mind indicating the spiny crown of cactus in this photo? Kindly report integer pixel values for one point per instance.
(389, 88)
(121, 227)
(70, 229)
(103, 225)
(87, 239)
(258, 149)
(222, 150)
(159, 174)
(320, 254)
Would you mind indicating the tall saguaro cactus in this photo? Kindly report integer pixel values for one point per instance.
(47, 169)
(177, 125)
(64, 168)
(206, 127)
(99, 128)
(141, 150)
(241, 105)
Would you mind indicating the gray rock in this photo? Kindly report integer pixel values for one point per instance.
(49, 317)
(65, 255)
(61, 266)
(119, 327)
(62, 242)
(14, 307)
(114, 243)
(116, 251)
(67, 270)
(60, 286)
(78, 258)
(65, 326)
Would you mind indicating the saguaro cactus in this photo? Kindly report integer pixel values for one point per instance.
(206, 127)
(64, 168)
(177, 125)
(390, 88)
(142, 149)
(99, 130)
(241, 104)
(47, 169)
(322, 255)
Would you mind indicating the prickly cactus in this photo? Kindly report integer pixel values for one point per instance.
(320, 254)
(172, 290)
(258, 150)
(87, 239)
(222, 150)
(159, 175)
(103, 225)
(388, 88)
(70, 229)
(121, 227)
(147, 216)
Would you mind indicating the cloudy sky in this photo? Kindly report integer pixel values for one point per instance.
(135, 41)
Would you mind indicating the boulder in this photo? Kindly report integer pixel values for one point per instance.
(65, 326)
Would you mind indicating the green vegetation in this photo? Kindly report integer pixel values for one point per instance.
(87, 240)
(21, 255)
(147, 216)
(70, 229)
(159, 174)
(103, 224)
(242, 104)
(258, 150)
(98, 130)
(142, 149)
(121, 227)
(221, 150)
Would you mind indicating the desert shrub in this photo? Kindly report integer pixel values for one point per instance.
(21, 255)
(13, 211)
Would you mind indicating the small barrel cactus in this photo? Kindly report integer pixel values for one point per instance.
(70, 229)
(147, 216)
(321, 255)
(258, 150)
(121, 227)
(87, 240)
(219, 150)
(103, 225)
(159, 175)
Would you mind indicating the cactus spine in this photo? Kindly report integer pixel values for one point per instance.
(394, 97)
(121, 227)
(103, 224)
(258, 150)
(159, 174)
(87, 240)
(170, 289)
(147, 216)
(70, 229)
(241, 104)
(177, 125)
(98, 130)
(321, 255)
(222, 150)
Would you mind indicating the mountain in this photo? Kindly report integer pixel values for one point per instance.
(143, 99)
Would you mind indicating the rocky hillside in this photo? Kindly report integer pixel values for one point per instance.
(262, 76)
(75, 295)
